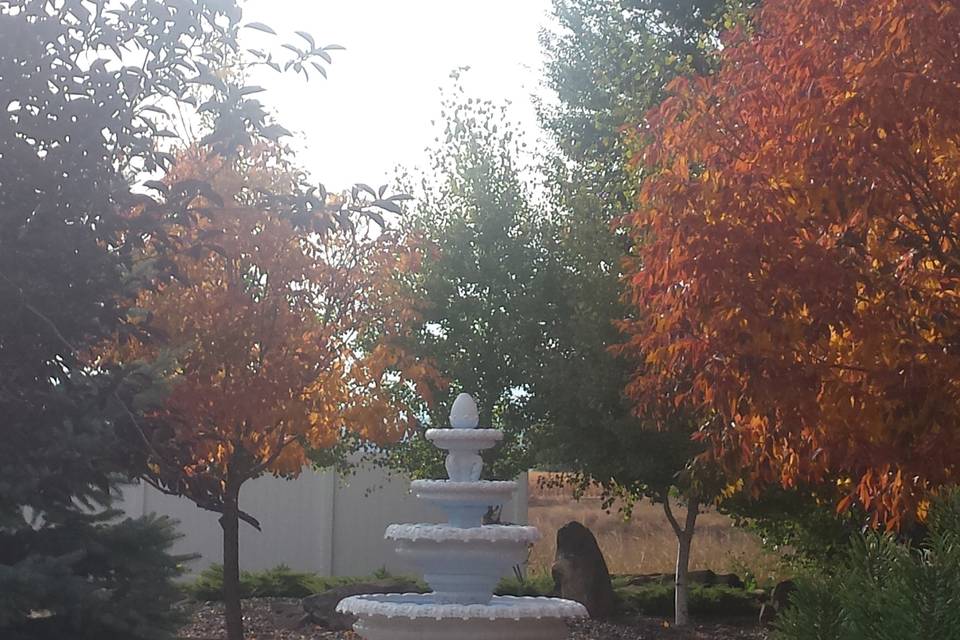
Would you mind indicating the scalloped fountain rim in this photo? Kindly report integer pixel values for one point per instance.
(482, 492)
(492, 533)
(475, 438)
(453, 489)
(421, 606)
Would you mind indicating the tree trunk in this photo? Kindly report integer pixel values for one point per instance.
(682, 589)
(684, 540)
(230, 523)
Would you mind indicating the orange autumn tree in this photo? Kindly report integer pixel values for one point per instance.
(280, 339)
(798, 261)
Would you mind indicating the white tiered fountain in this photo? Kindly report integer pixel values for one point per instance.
(462, 560)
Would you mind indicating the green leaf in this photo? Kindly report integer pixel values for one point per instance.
(259, 26)
(387, 205)
(157, 185)
(306, 36)
(376, 217)
(274, 132)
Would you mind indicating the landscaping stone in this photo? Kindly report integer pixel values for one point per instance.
(650, 578)
(778, 600)
(320, 608)
(709, 578)
(288, 615)
(580, 572)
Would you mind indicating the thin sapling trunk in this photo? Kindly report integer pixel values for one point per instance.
(230, 523)
(684, 540)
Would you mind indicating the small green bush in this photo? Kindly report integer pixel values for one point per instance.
(208, 585)
(657, 600)
(648, 599)
(279, 582)
(535, 584)
(619, 581)
(884, 590)
(722, 600)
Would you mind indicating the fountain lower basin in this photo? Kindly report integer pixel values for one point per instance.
(418, 617)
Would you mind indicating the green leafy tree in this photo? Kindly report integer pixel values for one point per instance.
(801, 524)
(523, 291)
(479, 280)
(608, 63)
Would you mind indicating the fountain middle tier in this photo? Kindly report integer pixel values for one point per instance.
(462, 566)
(465, 503)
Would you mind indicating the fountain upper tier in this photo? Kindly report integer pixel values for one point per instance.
(464, 497)
(464, 442)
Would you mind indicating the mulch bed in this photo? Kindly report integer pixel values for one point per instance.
(263, 619)
(641, 628)
(282, 619)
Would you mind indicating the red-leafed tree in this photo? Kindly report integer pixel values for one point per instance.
(279, 332)
(798, 264)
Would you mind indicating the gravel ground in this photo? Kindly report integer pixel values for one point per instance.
(282, 619)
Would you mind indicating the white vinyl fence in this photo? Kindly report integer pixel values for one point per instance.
(318, 522)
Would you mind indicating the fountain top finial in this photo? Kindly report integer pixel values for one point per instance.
(464, 414)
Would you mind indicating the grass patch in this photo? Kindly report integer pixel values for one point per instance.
(279, 582)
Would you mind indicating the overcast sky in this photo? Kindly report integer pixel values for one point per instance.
(374, 111)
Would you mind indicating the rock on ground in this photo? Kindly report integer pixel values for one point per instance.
(580, 572)
(321, 608)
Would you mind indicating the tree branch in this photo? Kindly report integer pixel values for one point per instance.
(203, 504)
(669, 512)
(693, 510)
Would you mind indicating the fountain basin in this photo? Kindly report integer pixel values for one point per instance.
(462, 566)
(418, 617)
(464, 502)
(464, 439)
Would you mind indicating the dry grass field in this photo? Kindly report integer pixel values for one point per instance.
(645, 543)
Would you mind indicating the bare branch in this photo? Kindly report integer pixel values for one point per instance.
(215, 507)
(668, 510)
